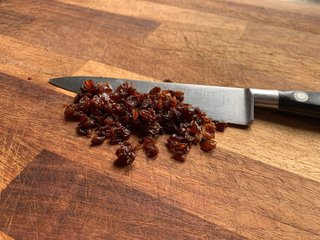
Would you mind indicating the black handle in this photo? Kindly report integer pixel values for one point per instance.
(306, 103)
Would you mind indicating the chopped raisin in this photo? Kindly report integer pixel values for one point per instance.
(221, 126)
(177, 146)
(97, 139)
(126, 155)
(167, 80)
(208, 145)
(135, 114)
(150, 147)
(155, 90)
(119, 134)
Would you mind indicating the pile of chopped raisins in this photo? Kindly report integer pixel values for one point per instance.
(114, 115)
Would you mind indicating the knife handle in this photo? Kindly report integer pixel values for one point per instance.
(300, 102)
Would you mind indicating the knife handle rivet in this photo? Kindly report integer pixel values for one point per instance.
(300, 96)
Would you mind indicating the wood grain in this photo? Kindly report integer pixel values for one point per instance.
(57, 198)
(260, 183)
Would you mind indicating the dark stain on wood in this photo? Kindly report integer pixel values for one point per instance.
(67, 20)
(58, 198)
(13, 20)
(76, 31)
(258, 14)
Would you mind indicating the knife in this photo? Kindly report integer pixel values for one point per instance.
(225, 104)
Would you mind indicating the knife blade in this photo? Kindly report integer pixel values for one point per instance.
(233, 105)
(224, 104)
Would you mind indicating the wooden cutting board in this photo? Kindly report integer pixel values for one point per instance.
(261, 182)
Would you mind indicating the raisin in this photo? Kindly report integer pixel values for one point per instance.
(194, 128)
(221, 126)
(155, 90)
(146, 103)
(178, 156)
(147, 115)
(131, 102)
(83, 131)
(71, 111)
(126, 155)
(119, 134)
(177, 147)
(97, 139)
(208, 145)
(135, 114)
(150, 147)
(88, 86)
(167, 80)
(179, 96)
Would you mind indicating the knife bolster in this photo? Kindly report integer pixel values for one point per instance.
(265, 98)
